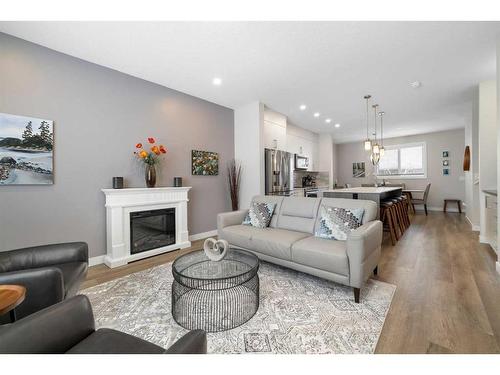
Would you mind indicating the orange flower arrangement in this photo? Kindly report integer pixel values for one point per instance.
(150, 157)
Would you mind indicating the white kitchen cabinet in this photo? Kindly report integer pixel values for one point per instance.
(274, 130)
(303, 147)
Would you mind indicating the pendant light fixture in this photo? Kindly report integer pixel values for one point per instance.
(382, 149)
(375, 155)
(368, 142)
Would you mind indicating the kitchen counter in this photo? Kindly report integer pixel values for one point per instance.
(490, 192)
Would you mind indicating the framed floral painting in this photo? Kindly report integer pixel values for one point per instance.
(204, 163)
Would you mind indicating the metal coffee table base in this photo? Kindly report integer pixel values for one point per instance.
(212, 308)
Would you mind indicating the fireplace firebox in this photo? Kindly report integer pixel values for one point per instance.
(151, 229)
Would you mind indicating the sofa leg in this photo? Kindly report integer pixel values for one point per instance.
(375, 271)
(356, 294)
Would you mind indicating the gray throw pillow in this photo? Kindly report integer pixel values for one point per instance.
(336, 223)
(260, 214)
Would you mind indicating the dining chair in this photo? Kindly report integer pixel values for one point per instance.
(423, 201)
(347, 186)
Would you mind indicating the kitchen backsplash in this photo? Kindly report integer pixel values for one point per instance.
(322, 178)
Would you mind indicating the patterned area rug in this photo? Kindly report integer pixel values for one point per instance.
(298, 313)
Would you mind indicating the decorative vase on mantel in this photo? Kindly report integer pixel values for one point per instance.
(150, 159)
(150, 175)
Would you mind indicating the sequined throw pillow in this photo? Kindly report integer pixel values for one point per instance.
(260, 214)
(336, 223)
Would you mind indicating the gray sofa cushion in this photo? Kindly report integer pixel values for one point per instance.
(323, 254)
(269, 241)
(298, 214)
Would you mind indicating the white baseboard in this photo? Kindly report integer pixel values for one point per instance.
(475, 227)
(200, 236)
(484, 239)
(94, 261)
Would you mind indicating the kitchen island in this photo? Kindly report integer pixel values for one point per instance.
(376, 194)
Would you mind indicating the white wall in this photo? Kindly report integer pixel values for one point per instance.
(248, 150)
(487, 135)
(487, 152)
(451, 186)
(472, 176)
(325, 156)
(498, 148)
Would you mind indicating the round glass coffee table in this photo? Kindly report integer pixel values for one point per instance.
(215, 296)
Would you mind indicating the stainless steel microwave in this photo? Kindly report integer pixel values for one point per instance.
(301, 162)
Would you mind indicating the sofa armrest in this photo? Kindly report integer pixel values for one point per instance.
(54, 330)
(42, 256)
(193, 342)
(227, 219)
(363, 251)
(44, 287)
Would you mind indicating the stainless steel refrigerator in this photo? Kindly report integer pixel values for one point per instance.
(279, 172)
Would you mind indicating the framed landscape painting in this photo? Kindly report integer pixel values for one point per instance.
(26, 147)
(204, 163)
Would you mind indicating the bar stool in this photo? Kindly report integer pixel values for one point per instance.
(403, 211)
(388, 218)
(399, 214)
(406, 210)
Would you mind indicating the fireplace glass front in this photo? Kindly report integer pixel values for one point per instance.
(151, 229)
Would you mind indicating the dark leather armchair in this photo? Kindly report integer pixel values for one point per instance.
(69, 327)
(50, 273)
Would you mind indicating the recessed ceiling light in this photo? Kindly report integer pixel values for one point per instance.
(416, 84)
(328, 120)
(217, 81)
(316, 114)
(303, 107)
(337, 125)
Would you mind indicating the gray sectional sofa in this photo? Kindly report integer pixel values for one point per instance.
(289, 240)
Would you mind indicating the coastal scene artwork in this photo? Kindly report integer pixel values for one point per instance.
(204, 163)
(26, 147)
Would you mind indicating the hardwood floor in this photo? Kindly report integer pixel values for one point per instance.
(448, 292)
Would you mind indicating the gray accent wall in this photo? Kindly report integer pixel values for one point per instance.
(451, 186)
(99, 115)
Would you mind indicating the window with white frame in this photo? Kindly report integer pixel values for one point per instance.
(403, 161)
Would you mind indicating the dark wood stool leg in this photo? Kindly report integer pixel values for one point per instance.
(445, 204)
(459, 204)
(394, 217)
(375, 271)
(356, 294)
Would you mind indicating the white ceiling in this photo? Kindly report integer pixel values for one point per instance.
(328, 66)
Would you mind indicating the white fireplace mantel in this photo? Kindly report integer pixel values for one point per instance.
(121, 202)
